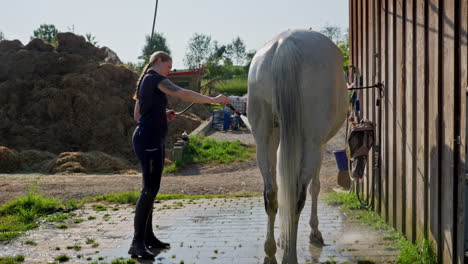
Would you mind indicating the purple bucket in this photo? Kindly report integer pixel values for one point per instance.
(341, 160)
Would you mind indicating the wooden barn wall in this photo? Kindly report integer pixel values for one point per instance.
(415, 175)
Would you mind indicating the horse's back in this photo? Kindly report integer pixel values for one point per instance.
(317, 65)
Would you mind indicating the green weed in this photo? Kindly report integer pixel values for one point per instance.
(422, 252)
(75, 247)
(12, 260)
(123, 261)
(62, 258)
(99, 207)
(365, 261)
(30, 242)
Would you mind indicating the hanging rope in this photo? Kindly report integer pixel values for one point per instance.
(154, 19)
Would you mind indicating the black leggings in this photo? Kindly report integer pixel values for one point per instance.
(150, 152)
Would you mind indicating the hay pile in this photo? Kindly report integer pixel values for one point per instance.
(68, 98)
(64, 98)
(9, 160)
(67, 162)
(89, 162)
(36, 160)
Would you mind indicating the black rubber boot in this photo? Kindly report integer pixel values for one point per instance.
(144, 205)
(151, 240)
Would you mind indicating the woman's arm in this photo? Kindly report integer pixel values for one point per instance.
(136, 111)
(172, 89)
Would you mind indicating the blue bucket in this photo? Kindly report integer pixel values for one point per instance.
(341, 160)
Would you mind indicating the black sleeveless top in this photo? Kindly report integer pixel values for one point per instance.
(153, 103)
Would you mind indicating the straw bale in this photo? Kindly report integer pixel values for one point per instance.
(9, 160)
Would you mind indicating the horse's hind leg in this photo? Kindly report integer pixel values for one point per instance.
(267, 138)
(314, 161)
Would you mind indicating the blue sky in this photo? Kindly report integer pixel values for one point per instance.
(122, 25)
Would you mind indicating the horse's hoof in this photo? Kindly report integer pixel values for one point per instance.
(316, 238)
(268, 260)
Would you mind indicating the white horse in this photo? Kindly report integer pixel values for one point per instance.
(297, 102)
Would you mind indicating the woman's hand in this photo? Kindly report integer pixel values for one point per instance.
(221, 99)
(170, 115)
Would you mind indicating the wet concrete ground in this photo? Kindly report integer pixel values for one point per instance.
(230, 230)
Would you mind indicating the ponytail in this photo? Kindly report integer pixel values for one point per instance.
(137, 88)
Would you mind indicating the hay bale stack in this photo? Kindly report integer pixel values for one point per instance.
(9, 160)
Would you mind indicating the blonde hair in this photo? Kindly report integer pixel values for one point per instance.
(153, 58)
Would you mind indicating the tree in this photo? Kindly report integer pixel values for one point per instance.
(200, 49)
(158, 43)
(236, 51)
(91, 39)
(332, 32)
(47, 32)
(249, 56)
(344, 47)
(2, 36)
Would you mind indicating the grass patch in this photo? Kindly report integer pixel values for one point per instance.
(12, 260)
(132, 197)
(235, 86)
(119, 198)
(346, 200)
(421, 252)
(23, 212)
(123, 261)
(208, 150)
(410, 253)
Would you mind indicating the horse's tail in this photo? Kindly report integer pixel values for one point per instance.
(287, 105)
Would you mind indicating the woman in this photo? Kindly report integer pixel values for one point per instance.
(148, 142)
